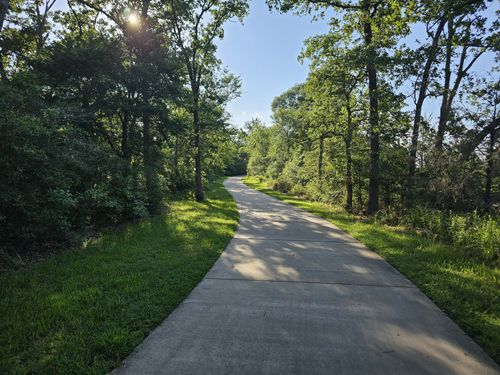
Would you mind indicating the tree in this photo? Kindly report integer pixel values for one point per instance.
(4, 9)
(155, 76)
(484, 125)
(465, 29)
(195, 26)
(336, 84)
(257, 147)
(369, 19)
(95, 114)
(426, 54)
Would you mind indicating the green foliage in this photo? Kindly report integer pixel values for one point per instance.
(96, 117)
(282, 185)
(58, 182)
(478, 235)
(257, 147)
(84, 311)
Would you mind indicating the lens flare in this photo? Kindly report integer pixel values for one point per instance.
(134, 19)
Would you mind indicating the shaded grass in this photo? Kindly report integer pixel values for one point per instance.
(83, 311)
(467, 290)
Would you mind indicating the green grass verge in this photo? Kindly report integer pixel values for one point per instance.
(468, 291)
(82, 312)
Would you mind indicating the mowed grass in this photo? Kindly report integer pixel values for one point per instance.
(83, 311)
(467, 290)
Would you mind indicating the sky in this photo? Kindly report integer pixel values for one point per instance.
(263, 52)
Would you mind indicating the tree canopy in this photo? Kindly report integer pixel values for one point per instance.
(359, 135)
(106, 109)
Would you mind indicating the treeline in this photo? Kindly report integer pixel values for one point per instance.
(355, 132)
(107, 108)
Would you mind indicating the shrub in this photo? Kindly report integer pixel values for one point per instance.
(298, 190)
(388, 216)
(478, 235)
(282, 185)
(57, 184)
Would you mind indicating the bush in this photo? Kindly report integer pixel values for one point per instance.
(478, 235)
(388, 216)
(282, 185)
(298, 190)
(57, 184)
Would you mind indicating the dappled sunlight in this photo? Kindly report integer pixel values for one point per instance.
(275, 241)
(465, 289)
(362, 296)
(287, 272)
(254, 269)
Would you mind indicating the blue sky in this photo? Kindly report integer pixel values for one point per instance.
(263, 52)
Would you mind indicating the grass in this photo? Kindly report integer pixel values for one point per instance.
(83, 311)
(466, 289)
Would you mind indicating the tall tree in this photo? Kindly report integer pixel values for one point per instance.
(4, 9)
(428, 54)
(195, 26)
(332, 83)
(466, 28)
(153, 66)
(369, 19)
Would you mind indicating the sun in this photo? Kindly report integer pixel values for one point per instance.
(133, 19)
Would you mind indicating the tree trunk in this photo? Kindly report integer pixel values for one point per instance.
(4, 9)
(320, 160)
(198, 184)
(489, 169)
(125, 137)
(412, 160)
(373, 189)
(152, 188)
(359, 190)
(348, 160)
(445, 108)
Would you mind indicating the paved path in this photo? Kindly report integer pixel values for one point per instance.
(292, 294)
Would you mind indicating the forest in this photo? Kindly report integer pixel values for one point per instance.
(107, 109)
(398, 129)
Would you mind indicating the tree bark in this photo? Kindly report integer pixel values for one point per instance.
(412, 159)
(359, 190)
(348, 158)
(444, 110)
(469, 147)
(4, 9)
(489, 170)
(198, 183)
(373, 188)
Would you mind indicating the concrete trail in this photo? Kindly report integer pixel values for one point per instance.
(293, 294)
